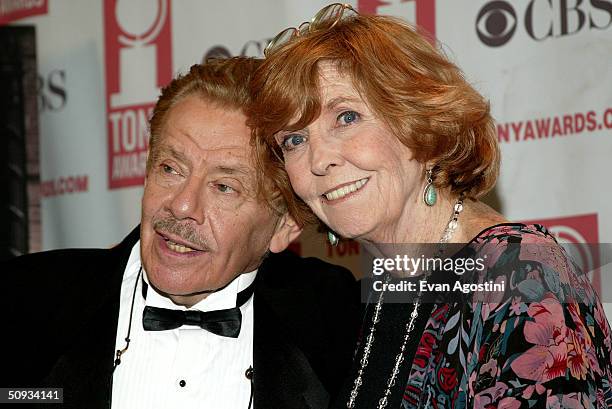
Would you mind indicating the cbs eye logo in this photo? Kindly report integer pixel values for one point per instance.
(496, 23)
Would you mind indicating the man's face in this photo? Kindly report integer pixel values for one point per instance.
(202, 224)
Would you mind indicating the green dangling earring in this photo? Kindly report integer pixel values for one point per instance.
(430, 195)
(332, 238)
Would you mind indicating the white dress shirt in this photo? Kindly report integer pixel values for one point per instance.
(187, 367)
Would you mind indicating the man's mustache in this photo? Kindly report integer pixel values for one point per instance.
(181, 229)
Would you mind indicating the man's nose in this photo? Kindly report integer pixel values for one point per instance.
(324, 155)
(188, 200)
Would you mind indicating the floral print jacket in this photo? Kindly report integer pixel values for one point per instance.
(542, 343)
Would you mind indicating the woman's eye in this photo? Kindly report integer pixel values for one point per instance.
(348, 117)
(292, 141)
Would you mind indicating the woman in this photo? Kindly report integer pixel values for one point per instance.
(384, 141)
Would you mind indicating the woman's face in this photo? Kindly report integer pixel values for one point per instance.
(355, 175)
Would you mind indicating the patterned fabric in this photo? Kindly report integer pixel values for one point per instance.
(543, 343)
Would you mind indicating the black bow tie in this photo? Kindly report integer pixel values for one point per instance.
(221, 322)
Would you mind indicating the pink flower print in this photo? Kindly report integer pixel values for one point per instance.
(509, 403)
(576, 358)
(541, 363)
(527, 392)
(484, 399)
(581, 331)
(548, 358)
(517, 307)
(552, 402)
(538, 388)
(571, 401)
(548, 327)
(490, 367)
(558, 366)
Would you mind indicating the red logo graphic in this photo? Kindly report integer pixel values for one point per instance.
(11, 10)
(581, 229)
(421, 12)
(138, 54)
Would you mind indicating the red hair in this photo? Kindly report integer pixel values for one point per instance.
(223, 82)
(410, 86)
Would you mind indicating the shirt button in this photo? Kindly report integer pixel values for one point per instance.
(182, 383)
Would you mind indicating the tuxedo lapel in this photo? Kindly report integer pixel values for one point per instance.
(85, 367)
(283, 377)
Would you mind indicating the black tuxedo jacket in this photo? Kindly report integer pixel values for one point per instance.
(59, 311)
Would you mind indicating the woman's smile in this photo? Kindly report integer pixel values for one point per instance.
(344, 191)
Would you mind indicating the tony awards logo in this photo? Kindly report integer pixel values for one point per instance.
(138, 58)
(421, 12)
(579, 235)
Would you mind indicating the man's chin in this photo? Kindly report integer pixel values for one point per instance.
(176, 283)
(177, 291)
(170, 282)
(182, 294)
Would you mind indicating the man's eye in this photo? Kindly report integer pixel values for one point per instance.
(292, 141)
(348, 117)
(168, 169)
(225, 188)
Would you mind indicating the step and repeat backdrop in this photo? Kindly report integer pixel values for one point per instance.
(545, 65)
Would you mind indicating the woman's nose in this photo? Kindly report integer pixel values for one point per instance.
(323, 157)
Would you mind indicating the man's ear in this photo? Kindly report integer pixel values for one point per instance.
(286, 231)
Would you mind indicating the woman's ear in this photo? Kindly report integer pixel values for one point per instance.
(287, 230)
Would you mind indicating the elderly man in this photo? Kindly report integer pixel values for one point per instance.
(182, 313)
